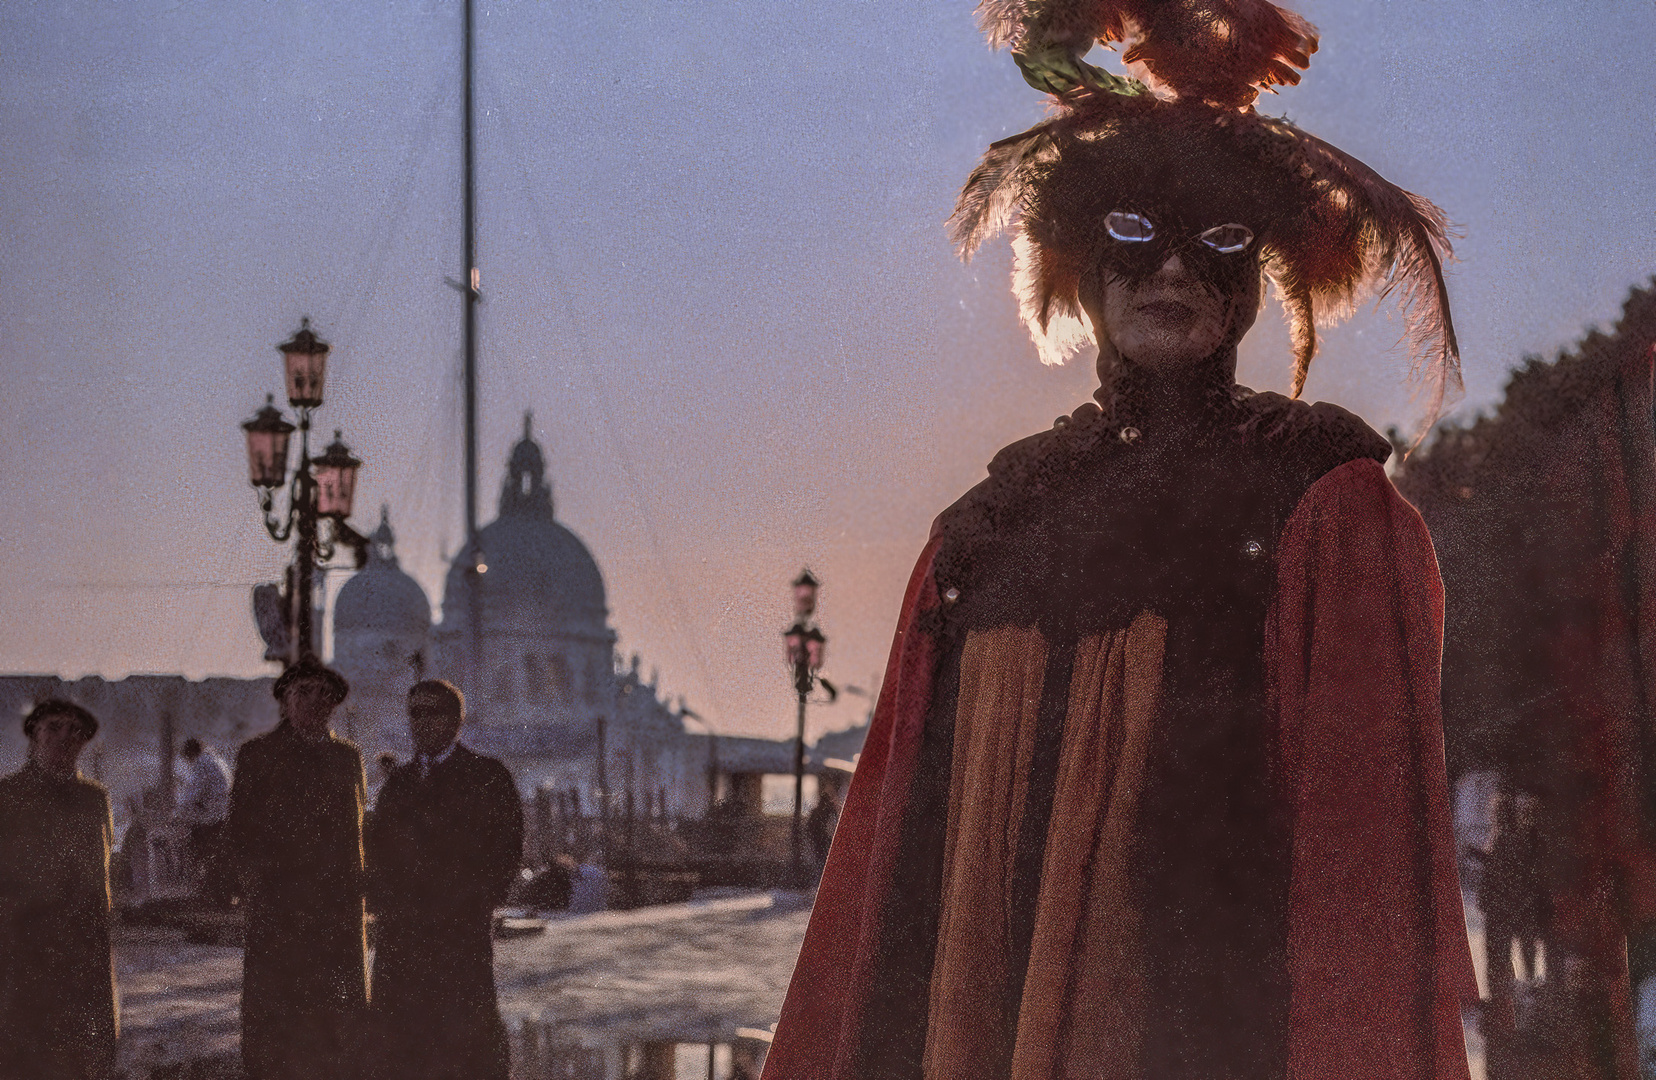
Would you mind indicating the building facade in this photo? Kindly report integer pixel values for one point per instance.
(524, 633)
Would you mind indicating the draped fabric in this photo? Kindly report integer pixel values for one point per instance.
(1080, 1012)
(1378, 958)
(1002, 672)
(1376, 965)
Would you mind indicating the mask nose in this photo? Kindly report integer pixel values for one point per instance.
(1172, 268)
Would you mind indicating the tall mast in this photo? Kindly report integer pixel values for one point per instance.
(474, 555)
(471, 295)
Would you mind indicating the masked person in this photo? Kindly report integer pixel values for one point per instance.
(1155, 789)
(294, 838)
(445, 845)
(57, 985)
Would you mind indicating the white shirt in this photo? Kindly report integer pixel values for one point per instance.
(205, 799)
(427, 762)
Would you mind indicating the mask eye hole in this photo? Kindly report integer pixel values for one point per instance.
(1228, 239)
(1129, 228)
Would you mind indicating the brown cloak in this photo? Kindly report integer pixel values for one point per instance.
(1155, 787)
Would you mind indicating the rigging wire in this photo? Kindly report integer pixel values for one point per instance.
(443, 427)
(391, 218)
(583, 350)
(388, 229)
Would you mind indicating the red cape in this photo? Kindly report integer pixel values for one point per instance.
(1377, 951)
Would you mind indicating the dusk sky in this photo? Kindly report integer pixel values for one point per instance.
(714, 266)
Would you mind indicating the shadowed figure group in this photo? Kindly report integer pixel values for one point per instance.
(442, 849)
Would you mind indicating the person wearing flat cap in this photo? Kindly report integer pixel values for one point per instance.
(57, 987)
(294, 837)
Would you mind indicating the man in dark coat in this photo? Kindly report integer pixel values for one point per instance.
(445, 844)
(294, 836)
(57, 987)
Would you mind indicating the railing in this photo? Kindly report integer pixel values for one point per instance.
(544, 1051)
(654, 857)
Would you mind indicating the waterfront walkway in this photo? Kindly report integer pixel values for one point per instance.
(593, 997)
(591, 988)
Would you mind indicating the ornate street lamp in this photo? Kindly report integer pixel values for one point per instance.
(305, 358)
(322, 488)
(336, 473)
(267, 445)
(807, 646)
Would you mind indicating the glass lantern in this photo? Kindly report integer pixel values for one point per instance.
(795, 636)
(336, 474)
(805, 595)
(267, 445)
(305, 357)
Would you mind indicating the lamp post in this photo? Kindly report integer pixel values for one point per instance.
(321, 489)
(806, 646)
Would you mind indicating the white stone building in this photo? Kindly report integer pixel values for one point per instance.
(382, 642)
(526, 637)
(545, 678)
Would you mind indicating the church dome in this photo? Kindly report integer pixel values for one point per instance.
(539, 576)
(381, 598)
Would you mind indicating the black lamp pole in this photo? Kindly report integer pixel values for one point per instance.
(806, 644)
(302, 510)
(321, 488)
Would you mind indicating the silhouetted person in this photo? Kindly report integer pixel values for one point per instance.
(295, 837)
(445, 845)
(203, 805)
(57, 987)
(823, 819)
(1514, 897)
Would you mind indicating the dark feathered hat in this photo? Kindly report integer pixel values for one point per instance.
(1186, 146)
(338, 688)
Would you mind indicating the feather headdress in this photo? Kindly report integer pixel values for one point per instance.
(1329, 230)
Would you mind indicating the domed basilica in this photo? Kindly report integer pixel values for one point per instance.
(525, 634)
